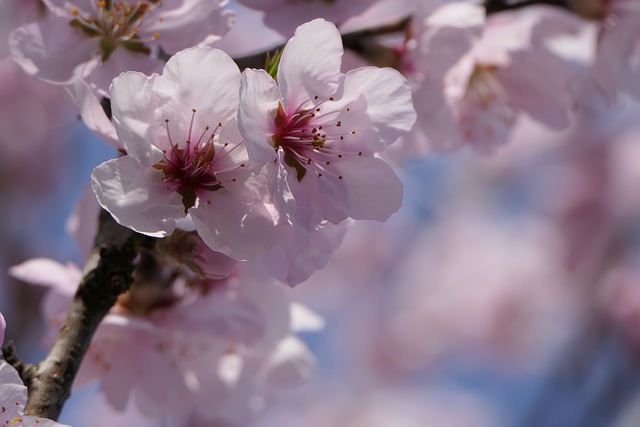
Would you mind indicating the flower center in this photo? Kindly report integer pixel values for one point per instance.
(312, 139)
(193, 168)
(484, 86)
(117, 23)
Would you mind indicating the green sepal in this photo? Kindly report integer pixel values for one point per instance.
(291, 161)
(107, 47)
(272, 63)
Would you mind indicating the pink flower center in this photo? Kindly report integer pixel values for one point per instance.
(116, 23)
(312, 139)
(193, 169)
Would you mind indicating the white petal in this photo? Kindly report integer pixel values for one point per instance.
(389, 103)
(92, 113)
(132, 104)
(136, 197)
(310, 63)
(371, 188)
(3, 326)
(289, 365)
(233, 227)
(199, 78)
(191, 23)
(47, 272)
(259, 98)
(303, 319)
(53, 51)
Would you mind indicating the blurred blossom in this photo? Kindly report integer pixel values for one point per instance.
(474, 77)
(285, 15)
(375, 406)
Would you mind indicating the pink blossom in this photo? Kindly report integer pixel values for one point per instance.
(13, 398)
(473, 79)
(185, 155)
(105, 38)
(87, 99)
(215, 343)
(14, 13)
(285, 15)
(33, 119)
(319, 131)
(296, 254)
(617, 63)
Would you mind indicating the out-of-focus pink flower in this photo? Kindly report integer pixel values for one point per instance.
(105, 38)
(13, 398)
(473, 79)
(473, 284)
(619, 299)
(318, 131)
(617, 65)
(296, 255)
(205, 347)
(87, 99)
(285, 15)
(374, 405)
(184, 155)
(14, 13)
(33, 118)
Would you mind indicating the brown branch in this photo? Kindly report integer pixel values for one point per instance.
(108, 274)
(494, 6)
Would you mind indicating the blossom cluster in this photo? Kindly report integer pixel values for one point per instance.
(247, 179)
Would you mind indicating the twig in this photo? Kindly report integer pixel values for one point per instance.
(108, 274)
(494, 6)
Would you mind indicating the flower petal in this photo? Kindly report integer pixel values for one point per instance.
(132, 104)
(371, 188)
(136, 196)
(259, 98)
(234, 227)
(199, 78)
(190, 22)
(389, 103)
(53, 51)
(310, 63)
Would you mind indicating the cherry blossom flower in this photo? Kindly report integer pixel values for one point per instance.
(33, 113)
(105, 38)
(319, 131)
(14, 13)
(473, 78)
(218, 343)
(13, 396)
(616, 68)
(285, 15)
(185, 156)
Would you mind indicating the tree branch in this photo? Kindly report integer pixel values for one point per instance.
(494, 6)
(108, 273)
